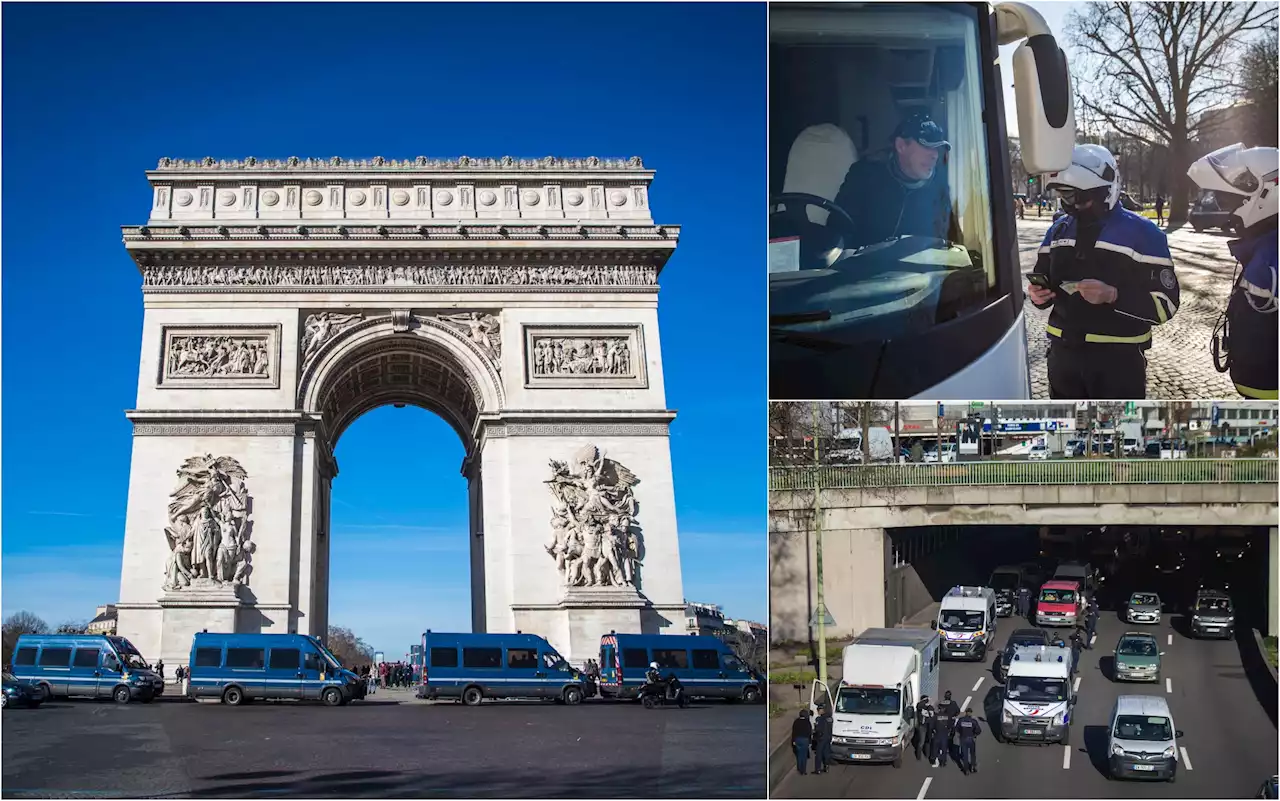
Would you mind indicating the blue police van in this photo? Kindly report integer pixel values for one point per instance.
(86, 665)
(706, 666)
(473, 667)
(238, 668)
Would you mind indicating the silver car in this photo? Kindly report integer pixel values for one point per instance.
(1143, 607)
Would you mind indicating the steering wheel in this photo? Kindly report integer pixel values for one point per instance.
(843, 220)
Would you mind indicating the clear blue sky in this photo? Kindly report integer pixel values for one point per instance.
(94, 94)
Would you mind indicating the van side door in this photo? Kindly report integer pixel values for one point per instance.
(707, 676)
(206, 677)
(676, 660)
(523, 673)
(55, 667)
(309, 674)
(85, 673)
(284, 672)
(246, 667)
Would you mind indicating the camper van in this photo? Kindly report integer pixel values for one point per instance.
(967, 621)
(885, 673)
(1037, 699)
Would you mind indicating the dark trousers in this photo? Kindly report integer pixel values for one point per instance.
(1097, 372)
(968, 754)
(801, 746)
(923, 742)
(941, 745)
(1075, 660)
(1089, 629)
(822, 755)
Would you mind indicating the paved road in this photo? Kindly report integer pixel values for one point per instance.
(381, 748)
(1180, 364)
(1230, 741)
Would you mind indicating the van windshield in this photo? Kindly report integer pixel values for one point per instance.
(134, 661)
(1003, 581)
(1058, 596)
(329, 657)
(1036, 688)
(554, 661)
(1152, 728)
(960, 620)
(868, 701)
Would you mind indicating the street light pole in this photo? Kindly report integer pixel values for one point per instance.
(817, 529)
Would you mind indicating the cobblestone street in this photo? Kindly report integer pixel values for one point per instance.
(1180, 363)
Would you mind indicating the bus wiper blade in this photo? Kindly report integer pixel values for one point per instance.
(800, 317)
(783, 336)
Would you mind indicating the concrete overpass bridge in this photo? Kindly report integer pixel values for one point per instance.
(871, 576)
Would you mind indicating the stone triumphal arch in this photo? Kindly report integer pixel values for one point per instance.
(517, 299)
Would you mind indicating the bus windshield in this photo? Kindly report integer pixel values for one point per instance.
(880, 189)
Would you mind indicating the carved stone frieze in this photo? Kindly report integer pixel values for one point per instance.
(584, 356)
(483, 330)
(595, 539)
(220, 356)
(463, 163)
(322, 328)
(209, 528)
(400, 275)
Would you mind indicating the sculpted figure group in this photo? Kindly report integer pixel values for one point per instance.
(599, 356)
(208, 531)
(594, 539)
(218, 356)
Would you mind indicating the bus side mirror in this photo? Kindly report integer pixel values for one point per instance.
(1042, 89)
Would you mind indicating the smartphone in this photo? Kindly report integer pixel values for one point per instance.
(1039, 279)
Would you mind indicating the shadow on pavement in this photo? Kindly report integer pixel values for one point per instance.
(1095, 745)
(1257, 672)
(1107, 666)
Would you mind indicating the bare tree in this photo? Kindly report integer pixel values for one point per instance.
(348, 648)
(1259, 84)
(15, 626)
(72, 627)
(1150, 70)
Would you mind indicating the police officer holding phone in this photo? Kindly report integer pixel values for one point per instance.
(1108, 276)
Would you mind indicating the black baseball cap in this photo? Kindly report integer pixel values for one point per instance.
(919, 127)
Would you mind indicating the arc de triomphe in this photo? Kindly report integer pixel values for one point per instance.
(517, 299)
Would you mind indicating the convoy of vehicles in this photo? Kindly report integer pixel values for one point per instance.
(1037, 700)
(1137, 657)
(84, 665)
(886, 671)
(967, 622)
(242, 668)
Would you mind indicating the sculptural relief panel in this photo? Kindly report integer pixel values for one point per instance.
(209, 528)
(595, 539)
(558, 357)
(220, 357)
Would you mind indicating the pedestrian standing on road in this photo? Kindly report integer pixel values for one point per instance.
(968, 729)
(160, 669)
(1160, 209)
(822, 728)
(801, 735)
(922, 741)
(1109, 279)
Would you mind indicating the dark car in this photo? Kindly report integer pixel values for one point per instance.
(1205, 213)
(1018, 638)
(1213, 615)
(18, 694)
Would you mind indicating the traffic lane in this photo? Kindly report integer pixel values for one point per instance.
(384, 749)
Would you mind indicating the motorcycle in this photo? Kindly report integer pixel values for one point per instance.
(654, 695)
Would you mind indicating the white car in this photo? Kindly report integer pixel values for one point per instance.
(948, 454)
(1038, 452)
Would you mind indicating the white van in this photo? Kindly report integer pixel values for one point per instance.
(967, 621)
(1037, 699)
(1142, 742)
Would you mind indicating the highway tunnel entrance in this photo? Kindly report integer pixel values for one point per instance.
(922, 563)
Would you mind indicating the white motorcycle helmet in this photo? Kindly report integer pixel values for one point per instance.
(653, 665)
(1244, 180)
(1092, 167)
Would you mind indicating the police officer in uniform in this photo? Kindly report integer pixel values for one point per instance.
(1076, 647)
(924, 728)
(1091, 623)
(1109, 279)
(1024, 602)
(1244, 182)
(968, 729)
(943, 721)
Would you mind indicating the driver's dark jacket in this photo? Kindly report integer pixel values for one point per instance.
(1253, 333)
(881, 207)
(1124, 250)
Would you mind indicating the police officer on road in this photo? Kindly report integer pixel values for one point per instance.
(968, 729)
(1076, 647)
(1024, 602)
(925, 714)
(1244, 342)
(1091, 624)
(943, 721)
(1109, 279)
(822, 730)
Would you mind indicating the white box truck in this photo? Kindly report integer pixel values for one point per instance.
(874, 708)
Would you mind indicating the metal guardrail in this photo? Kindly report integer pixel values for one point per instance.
(1064, 471)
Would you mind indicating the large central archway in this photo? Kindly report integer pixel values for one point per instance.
(516, 300)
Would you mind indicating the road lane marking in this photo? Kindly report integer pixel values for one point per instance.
(965, 705)
(979, 684)
(1186, 760)
(924, 788)
(1093, 640)
(1168, 685)
(1076, 687)
(1066, 757)
(1171, 639)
